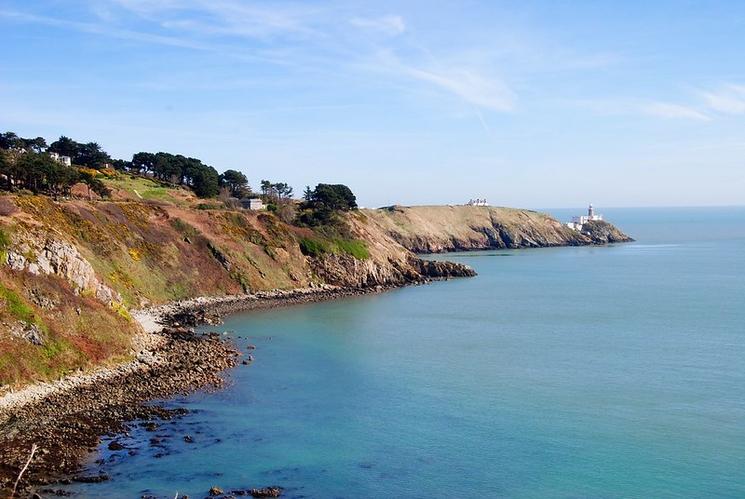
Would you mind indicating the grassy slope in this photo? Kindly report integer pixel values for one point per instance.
(163, 247)
(151, 251)
(72, 340)
(436, 227)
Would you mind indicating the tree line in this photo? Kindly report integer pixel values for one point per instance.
(26, 163)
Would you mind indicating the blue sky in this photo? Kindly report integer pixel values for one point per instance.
(535, 104)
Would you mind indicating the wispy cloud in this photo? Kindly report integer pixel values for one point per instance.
(729, 99)
(469, 85)
(673, 111)
(227, 17)
(473, 84)
(389, 25)
(99, 29)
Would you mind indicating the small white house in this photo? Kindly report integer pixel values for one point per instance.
(65, 160)
(254, 204)
(477, 202)
(578, 222)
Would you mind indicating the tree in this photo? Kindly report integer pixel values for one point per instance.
(283, 190)
(91, 155)
(236, 183)
(143, 162)
(65, 146)
(5, 169)
(37, 145)
(94, 184)
(10, 140)
(266, 188)
(334, 197)
(40, 173)
(307, 193)
(121, 165)
(324, 202)
(206, 182)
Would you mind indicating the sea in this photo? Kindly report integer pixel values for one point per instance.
(579, 372)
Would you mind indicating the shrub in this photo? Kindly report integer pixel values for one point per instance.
(354, 247)
(314, 247)
(16, 307)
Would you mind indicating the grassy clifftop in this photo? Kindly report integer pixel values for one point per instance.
(73, 269)
(434, 229)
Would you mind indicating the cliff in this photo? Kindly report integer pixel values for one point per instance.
(436, 229)
(71, 271)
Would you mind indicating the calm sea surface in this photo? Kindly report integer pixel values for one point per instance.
(569, 372)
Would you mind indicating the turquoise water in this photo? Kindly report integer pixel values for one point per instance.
(569, 372)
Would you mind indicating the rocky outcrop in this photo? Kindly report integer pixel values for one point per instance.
(346, 271)
(43, 254)
(433, 269)
(601, 232)
(437, 229)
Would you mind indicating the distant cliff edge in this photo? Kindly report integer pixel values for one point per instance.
(71, 271)
(437, 229)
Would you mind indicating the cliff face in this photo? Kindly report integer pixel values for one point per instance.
(71, 271)
(436, 229)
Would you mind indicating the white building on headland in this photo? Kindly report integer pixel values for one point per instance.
(65, 160)
(254, 204)
(477, 202)
(578, 222)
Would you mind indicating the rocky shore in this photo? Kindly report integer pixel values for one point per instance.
(66, 419)
(66, 423)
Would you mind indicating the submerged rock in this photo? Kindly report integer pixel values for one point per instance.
(114, 445)
(272, 491)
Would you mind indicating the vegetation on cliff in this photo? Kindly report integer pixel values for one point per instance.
(140, 233)
(436, 229)
(73, 268)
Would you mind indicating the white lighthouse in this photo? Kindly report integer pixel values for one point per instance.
(578, 222)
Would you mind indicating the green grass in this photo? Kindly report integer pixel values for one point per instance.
(184, 228)
(354, 247)
(148, 189)
(314, 247)
(318, 247)
(4, 245)
(16, 307)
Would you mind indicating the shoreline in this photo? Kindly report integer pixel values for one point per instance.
(66, 418)
(153, 320)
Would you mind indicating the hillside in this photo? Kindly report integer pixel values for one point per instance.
(74, 269)
(435, 229)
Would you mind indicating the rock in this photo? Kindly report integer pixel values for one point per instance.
(601, 232)
(250, 347)
(188, 439)
(438, 269)
(40, 299)
(29, 332)
(114, 445)
(215, 491)
(92, 478)
(62, 259)
(272, 491)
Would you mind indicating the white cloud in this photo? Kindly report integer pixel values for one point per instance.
(389, 25)
(469, 85)
(101, 29)
(730, 99)
(674, 111)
